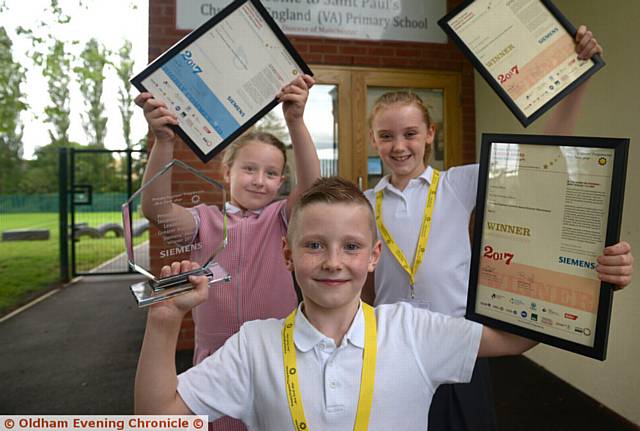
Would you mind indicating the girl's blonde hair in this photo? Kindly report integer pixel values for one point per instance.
(403, 98)
(266, 138)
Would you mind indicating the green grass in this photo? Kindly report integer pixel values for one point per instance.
(28, 268)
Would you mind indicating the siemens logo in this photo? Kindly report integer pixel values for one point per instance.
(235, 105)
(544, 38)
(576, 262)
(180, 250)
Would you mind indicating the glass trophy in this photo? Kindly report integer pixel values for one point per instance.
(161, 225)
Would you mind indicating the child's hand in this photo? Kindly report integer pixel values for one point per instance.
(565, 115)
(180, 305)
(615, 266)
(157, 115)
(294, 97)
(587, 45)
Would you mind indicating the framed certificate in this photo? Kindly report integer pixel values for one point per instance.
(223, 77)
(546, 207)
(524, 49)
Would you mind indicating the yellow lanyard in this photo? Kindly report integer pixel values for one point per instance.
(424, 233)
(292, 386)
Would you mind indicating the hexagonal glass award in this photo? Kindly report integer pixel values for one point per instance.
(162, 224)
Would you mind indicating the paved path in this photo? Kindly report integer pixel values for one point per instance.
(74, 352)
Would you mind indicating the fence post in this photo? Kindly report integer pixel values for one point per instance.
(63, 213)
(129, 188)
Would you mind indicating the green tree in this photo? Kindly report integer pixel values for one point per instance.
(90, 76)
(124, 69)
(51, 56)
(12, 104)
(139, 162)
(41, 173)
(57, 69)
(103, 172)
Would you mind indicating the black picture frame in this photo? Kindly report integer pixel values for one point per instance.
(479, 310)
(525, 120)
(193, 36)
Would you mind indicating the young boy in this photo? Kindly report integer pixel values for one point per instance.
(348, 365)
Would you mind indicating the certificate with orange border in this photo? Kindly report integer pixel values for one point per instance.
(546, 208)
(524, 49)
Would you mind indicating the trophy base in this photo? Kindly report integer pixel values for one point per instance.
(151, 291)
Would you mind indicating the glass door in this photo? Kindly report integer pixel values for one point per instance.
(337, 117)
(326, 116)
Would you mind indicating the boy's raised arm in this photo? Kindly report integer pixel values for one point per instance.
(499, 343)
(294, 97)
(156, 381)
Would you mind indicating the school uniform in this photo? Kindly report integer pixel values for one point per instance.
(261, 286)
(441, 281)
(417, 350)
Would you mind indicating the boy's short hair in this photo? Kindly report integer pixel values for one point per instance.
(332, 190)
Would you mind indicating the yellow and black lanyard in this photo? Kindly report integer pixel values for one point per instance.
(367, 378)
(424, 233)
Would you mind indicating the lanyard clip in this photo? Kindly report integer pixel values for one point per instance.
(412, 289)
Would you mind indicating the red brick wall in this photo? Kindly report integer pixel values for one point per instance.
(336, 52)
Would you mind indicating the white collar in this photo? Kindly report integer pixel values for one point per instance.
(385, 182)
(306, 336)
(232, 209)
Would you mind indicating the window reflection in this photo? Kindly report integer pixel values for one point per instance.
(321, 118)
(505, 160)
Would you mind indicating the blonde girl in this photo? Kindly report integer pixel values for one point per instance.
(401, 131)
(261, 286)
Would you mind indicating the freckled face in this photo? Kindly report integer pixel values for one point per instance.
(331, 251)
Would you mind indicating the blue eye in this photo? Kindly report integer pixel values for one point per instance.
(352, 247)
(272, 174)
(313, 245)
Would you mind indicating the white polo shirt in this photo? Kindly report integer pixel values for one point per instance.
(443, 277)
(417, 351)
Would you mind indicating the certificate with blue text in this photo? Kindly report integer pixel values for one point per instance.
(546, 208)
(223, 77)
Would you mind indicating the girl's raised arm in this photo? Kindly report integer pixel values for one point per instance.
(564, 115)
(159, 117)
(294, 97)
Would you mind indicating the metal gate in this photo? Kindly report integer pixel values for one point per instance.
(99, 182)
